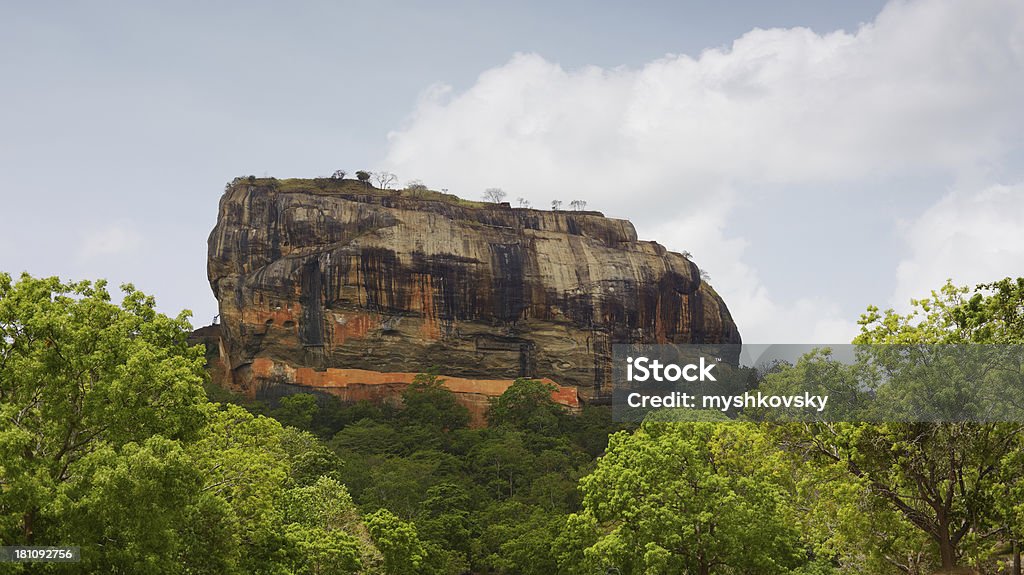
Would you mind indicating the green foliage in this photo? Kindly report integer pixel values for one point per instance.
(107, 442)
(287, 515)
(591, 428)
(993, 313)
(371, 436)
(145, 503)
(398, 542)
(324, 526)
(819, 374)
(297, 410)
(322, 552)
(428, 403)
(901, 493)
(400, 483)
(683, 415)
(854, 497)
(446, 519)
(308, 457)
(79, 374)
(479, 499)
(685, 498)
(526, 405)
(916, 496)
(520, 537)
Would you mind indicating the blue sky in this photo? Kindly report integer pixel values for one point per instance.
(815, 157)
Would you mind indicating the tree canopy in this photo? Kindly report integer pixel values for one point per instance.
(108, 441)
(939, 488)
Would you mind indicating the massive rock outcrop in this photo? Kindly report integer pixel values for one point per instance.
(337, 285)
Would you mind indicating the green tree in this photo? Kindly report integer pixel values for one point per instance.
(527, 405)
(685, 498)
(107, 441)
(320, 551)
(397, 540)
(142, 508)
(941, 483)
(286, 517)
(973, 454)
(79, 375)
(429, 403)
(308, 457)
(992, 313)
(591, 428)
(995, 312)
(504, 463)
(519, 538)
(243, 463)
(448, 522)
(819, 374)
(939, 479)
(297, 410)
(324, 525)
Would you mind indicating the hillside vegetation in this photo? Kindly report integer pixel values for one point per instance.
(109, 441)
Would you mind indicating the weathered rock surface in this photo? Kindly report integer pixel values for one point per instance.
(321, 277)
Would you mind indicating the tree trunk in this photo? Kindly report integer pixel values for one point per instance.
(1016, 558)
(28, 524)
(946, 551)
(702, 566)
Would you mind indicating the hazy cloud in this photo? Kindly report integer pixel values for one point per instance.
(112, 240)
(970, 238)
(761, 313)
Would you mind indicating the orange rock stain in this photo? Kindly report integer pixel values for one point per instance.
(352, 325)
(362, 384)
(423, 300)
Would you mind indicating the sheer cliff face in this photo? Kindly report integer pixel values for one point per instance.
(333, 274)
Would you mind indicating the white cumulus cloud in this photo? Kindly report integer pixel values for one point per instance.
(928, 89)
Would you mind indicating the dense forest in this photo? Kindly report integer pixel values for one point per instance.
(111, 439)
